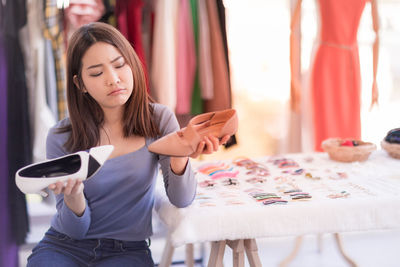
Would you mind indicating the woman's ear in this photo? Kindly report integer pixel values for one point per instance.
(76, 82)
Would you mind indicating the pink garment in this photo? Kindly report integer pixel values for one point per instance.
(335, 76)
(81, 12)
(186, 59)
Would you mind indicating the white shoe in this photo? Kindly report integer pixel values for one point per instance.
(82, 165)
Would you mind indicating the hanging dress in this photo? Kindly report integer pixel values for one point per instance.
(335, 74)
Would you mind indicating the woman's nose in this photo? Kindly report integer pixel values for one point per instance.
(112, 78)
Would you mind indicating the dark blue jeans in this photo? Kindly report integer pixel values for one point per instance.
(59, 250)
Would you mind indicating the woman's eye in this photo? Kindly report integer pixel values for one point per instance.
(96, 74)
(120, 65)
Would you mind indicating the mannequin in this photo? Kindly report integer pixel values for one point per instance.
(335, 73)
(335, 79)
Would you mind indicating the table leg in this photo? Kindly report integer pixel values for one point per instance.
(294, 252)
(217, 254)
(250, 246)
(189, 259)
(340, 247)
(166, 258)
(237, 247)
(319, 243)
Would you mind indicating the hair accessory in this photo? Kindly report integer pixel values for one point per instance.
(292, 191)
(263, 196)
(244, 162)
(310, 176)
(256, 180)
(258, 194)
(231, 181)
(298, 194)
(210, 168)
(274, 202)
(342, 194)
(268, 198)
(225, 175)
(287, 164)
(298, 171)
(302, 197)
(284, 162)
(207, 183)
(254, 168)
(217, 171)
(259, 172)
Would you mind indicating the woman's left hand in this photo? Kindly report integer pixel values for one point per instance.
(209, 145)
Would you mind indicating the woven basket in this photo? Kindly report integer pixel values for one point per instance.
(392, 149)
(347, 153)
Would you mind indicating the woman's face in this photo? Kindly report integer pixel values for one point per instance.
(106, 76)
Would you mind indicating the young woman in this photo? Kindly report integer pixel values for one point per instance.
(106, 220)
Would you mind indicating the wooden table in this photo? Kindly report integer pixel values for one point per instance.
(344, 197)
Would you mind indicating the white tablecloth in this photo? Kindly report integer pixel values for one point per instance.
(371, 199)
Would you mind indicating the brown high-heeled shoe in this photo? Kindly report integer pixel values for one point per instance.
(185, 141)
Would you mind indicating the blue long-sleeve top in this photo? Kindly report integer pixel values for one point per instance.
(120, 197)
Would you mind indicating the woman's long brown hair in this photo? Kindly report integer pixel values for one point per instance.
(85, 114)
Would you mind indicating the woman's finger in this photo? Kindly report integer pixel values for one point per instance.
(68, 188)
(215, 142)
(78, 187)
(199, 150)
(58, 188)
(52, 187)
(224, 139)
(209, 145)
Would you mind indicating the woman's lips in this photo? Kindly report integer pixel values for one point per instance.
(117, 91)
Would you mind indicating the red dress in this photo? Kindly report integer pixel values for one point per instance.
(335, 74)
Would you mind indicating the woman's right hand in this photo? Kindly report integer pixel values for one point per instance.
(73, 194)
(70, 188)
